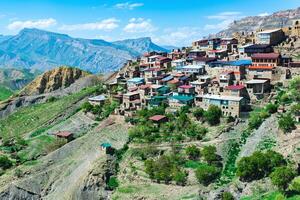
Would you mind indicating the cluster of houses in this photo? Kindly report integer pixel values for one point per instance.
(230, 73)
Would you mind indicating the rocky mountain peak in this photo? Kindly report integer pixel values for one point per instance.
(58, 78)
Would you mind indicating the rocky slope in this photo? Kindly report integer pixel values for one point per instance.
(38, 49)
(249, 24)
(58, 78)
(56, 83)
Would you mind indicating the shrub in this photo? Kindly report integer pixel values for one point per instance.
(5, 162)
(198, 113)
(259, 165)
(227, 196)
(193, 152)
(282, 176)
(213, 115)
(286, 123)
(87, 107)
(209, 154)
(295, 185)
(112, 183)
(179, 177)
(206, 174)
(255, 120)
(271, 108)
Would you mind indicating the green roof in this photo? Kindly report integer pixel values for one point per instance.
(105, 145)
(183, 98)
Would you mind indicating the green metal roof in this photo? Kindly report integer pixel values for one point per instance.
(183, 98)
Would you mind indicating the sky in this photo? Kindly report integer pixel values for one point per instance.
(167, 22)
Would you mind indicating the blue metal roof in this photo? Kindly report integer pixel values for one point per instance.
(136, 80)
(168, 78)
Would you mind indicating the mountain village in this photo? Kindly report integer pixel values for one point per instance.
(231, 73)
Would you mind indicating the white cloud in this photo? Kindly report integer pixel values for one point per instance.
(128, 5)
(263, 14)
(182, 36)
(223, 20)
(139, 25)
(105, 25)
(40, 23)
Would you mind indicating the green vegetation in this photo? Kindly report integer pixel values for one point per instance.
(34, 117)
(5, 162)
(286, 123)
(178, 128)
(193, 152)
(213, 115)
(227, 196)
(166, 168)
(112, 183)
(259, 165)
(5, 93)
(282, 176)
(295, 184)
(207, 174)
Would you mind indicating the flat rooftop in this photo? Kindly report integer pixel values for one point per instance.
(220, 97)
(256, 81)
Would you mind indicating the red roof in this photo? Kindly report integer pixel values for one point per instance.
(235, 87)
(63, 134)
(157, 117)
(145, 86)
(261, 67)
(265, 56)
(173, 81)
(185, 86)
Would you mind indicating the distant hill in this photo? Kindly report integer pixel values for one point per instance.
(276, 20)
(15, 79)
(38, 49)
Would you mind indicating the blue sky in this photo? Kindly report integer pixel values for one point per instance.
(168, 22)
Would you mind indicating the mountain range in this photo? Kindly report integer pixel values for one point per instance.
(43, 50)
(250, 24)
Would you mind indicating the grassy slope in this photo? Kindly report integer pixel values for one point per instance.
(34, 117)
(5, 93)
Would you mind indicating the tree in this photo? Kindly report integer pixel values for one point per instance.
(179, 176)
(193, 152)
(213, 115)
(206, 174)
(5, 162)
(227, 196)
(259, 165)
(209, 154)
(198, 113)
(255, 120)
(282, 176)
(286, 123)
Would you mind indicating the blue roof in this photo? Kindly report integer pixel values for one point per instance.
(168, 78)
(136, 80)
(232, 63)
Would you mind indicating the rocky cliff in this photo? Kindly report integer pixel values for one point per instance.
(249, 24)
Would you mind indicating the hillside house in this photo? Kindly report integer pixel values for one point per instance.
(220, 54)
(97, 100)
(230, 105)
(270, 37)
(266, 59)
(178, 101)
(261, 72)
(65, 135)
(186, 90)
(258, 88)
